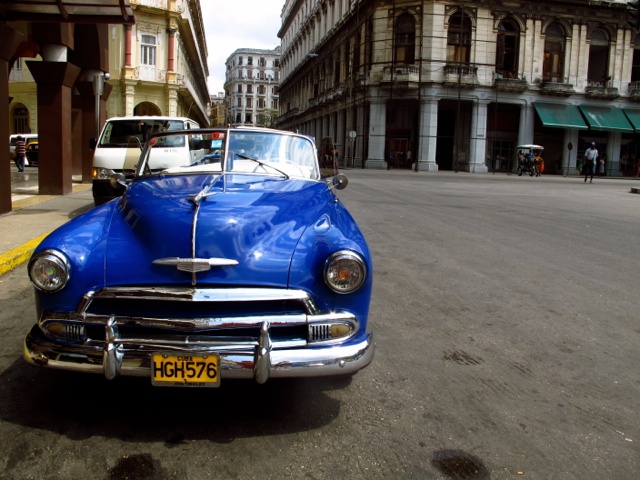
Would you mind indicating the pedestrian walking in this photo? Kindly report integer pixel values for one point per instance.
(539, 164)
(590, 159)
(21, 153)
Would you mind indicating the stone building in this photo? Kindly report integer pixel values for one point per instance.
(218, 111)
(251, 87)
(461, 84)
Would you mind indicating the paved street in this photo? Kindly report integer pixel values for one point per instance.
(505, 312)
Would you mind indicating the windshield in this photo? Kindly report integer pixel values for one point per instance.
(132, 133)
(259, 152)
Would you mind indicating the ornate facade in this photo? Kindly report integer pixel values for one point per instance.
(252, 87)
(460, 84)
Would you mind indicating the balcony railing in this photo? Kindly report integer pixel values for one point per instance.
(462, 75)
(634, 91)
(516, 85)
(601, 91)
(557, 89)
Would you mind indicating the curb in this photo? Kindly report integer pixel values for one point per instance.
(17, 256)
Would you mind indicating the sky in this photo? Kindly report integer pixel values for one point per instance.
(233, 24)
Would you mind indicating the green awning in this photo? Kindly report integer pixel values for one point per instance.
(607, 119)
(634, 117)
(559, 115)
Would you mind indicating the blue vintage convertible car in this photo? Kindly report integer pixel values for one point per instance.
(240, 264)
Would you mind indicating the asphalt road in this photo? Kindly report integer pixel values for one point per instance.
(506, 314)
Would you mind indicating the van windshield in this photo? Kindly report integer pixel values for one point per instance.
(133, 133)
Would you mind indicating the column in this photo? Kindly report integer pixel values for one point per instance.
(377, 133)
(127, 45)
(171, 49)
(11, 39)
(525, 127)
(361, 130)
(478, 143)
(428, 140)
(341, 137)
(54, 80)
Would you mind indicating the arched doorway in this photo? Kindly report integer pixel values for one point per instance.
(20, 119)
(146, 108)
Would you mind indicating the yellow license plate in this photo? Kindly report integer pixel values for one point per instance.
(185, 370)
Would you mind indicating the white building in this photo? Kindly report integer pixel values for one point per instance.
(461, 84)
(252, 86)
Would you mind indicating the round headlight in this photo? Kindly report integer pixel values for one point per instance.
(344, 272)
(49, 270)
(102, 173)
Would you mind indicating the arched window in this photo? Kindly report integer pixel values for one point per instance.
(405, 41)
(598, 58)
(553, 67)
(507, 48)
(459, 38)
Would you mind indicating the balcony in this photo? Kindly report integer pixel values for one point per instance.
(401, 76)
(460, 75)
(634, 92)
(600, 91)
(513, 85)
(557, 89)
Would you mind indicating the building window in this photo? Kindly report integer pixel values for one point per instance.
(598, 58)
(239, 60)
(507, 49)
(405, 39)
(635, 66)
(249, 60)
(249, 88)
(248, 118)
(553, 67)
(148, 50)
(239, 88)
(459, 38)
(249, 102)
(260, 103)
(238, 118)
(239, 102)
(274, 104)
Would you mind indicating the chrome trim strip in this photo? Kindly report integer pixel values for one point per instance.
(203, 294)
(206, 323)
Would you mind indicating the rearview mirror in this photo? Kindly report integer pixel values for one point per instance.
(340, 181)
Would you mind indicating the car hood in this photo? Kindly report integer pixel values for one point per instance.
(252, 220)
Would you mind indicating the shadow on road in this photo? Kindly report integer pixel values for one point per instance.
(80, 406)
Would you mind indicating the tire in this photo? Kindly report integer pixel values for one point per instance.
(519, 172)
(531, 172)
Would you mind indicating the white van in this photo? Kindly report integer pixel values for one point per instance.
(120, 144)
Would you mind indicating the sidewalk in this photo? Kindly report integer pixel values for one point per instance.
(34, 217)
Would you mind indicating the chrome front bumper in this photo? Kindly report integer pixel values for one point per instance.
(237, 362)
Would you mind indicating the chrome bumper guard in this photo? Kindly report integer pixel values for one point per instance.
(260, 363)
(258, 359)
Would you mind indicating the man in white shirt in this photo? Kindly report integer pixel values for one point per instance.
(590, 159)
